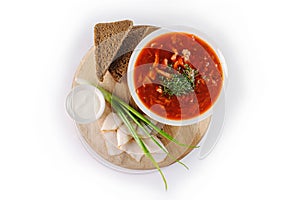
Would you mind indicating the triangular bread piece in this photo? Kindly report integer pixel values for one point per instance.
(118, 67)
(108, 38)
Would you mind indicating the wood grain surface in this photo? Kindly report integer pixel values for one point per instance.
(191, 134)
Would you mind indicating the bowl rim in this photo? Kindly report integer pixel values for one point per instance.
(135, 54)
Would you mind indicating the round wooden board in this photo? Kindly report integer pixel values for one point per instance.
(190, 135)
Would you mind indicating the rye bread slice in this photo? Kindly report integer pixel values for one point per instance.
(108, 38)
(118, 67)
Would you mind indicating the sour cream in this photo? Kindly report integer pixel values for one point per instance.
(85, 104)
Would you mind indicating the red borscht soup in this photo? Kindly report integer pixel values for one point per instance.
(178, 76)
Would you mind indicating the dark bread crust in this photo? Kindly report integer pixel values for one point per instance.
(118, 67)
(108, 38)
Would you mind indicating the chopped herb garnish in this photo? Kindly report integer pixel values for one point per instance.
(181, 82)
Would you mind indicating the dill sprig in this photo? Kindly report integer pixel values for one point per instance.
(182, 81)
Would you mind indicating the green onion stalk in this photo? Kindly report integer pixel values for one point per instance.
(126, 112)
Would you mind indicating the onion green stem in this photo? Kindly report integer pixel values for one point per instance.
(153, 139)
(125, 111)
(138, 140)
(108, 97)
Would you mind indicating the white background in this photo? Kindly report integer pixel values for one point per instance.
(258, 156)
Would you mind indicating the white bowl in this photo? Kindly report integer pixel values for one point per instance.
(85, 104)
(130, 74)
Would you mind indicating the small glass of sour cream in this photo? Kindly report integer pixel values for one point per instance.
(85, 104)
